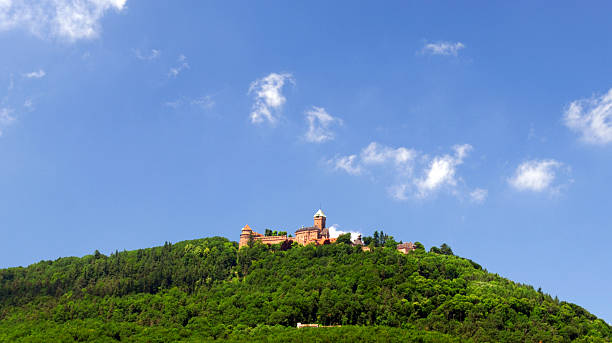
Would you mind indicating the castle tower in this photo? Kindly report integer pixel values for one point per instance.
(245, 235)
(319, 220)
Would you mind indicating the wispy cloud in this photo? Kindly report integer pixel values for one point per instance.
(592, 118)
(147, 56)
(205, 102)
(319, 125)
(35, 74)
(408, 173)
(376, 153)
(348, 164)
(28, 104)
(269, 98)
(400, 191)
(13, 104)
(6, 118)
(442, 48)
(69, 20)
(536, 176)
(181, 65)
(479, 195)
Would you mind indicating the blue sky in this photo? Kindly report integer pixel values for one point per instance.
(489, 127)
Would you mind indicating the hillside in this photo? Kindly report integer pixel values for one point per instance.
(207, 289)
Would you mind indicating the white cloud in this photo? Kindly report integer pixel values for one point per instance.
(399, 191)
(6, 118)
(478, 195)
(35, 74)
(28, 104)
(181, 65)
(592, 118)
(175, 103)
(375, 153)
(535, 175)
(269, 98)
(442, 48)
(346, 163)
(147, 57)
(462, 150)
(441, 171)
(319, 123)
(398, 165)
(334, 232)
(70, 20)
(205, 102)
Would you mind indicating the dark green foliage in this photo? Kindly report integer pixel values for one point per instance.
(206, 289)
(91, 330)
(380, 240)
(444, 249)
(269, 232)
(286, 245)
(419, 247)
(186, 265)
(344, 239)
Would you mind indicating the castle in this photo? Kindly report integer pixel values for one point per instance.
(317, 234)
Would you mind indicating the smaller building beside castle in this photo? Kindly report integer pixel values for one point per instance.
(406, 247)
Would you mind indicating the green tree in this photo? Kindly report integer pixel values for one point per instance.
(419, 247)
(286, 245)
(344, 239)
(446, 249)
(207, 289)
(390, 242)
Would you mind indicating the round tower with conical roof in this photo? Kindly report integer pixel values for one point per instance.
(245, 236)
(319, 220)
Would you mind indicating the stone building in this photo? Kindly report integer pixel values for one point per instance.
(317, 234)
(406, 247)
(359, 242)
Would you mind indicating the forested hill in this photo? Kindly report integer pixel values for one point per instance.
(207, 289)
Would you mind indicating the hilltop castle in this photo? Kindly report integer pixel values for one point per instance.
(317, 234)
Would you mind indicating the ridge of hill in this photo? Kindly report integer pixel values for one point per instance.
(208, 289)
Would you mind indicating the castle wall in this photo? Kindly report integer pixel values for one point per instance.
(317, 234)
(273, 239)
(303, 237)
(246, 236)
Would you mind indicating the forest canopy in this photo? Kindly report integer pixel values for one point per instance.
(209, 289)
